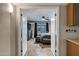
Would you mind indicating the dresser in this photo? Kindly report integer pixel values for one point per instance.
(72, 47)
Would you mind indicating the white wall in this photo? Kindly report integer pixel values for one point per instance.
(18, 31)
(13, 33)
(24, 34)
(4, 30)
(63, 33)
(53, 36)
(7, 31)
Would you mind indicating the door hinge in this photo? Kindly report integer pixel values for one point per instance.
(21, 33)
(55, 14)
(21, 50)
(21, 14)
(55, 36)
(55, 50)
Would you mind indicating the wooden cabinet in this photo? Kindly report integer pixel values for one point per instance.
(73, 14)
(72, 49)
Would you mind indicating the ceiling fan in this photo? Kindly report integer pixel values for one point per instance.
(45, 18)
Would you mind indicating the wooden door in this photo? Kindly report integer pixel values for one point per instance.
(76, 14)
(70, 14)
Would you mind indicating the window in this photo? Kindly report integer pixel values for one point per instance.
(41, 28)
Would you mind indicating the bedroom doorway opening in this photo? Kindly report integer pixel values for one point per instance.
(39, 39)
(40, 32)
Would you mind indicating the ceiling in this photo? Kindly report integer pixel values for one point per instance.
(37, 13)
(25, 4)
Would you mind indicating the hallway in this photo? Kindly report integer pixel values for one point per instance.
(34, 49)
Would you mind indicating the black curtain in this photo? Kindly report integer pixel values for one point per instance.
(35, 32)
(47, 27)
(27, 30)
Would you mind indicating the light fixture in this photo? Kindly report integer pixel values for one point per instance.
(43, 17)
(10, 8)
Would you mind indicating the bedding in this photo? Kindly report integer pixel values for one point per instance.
(45, 38)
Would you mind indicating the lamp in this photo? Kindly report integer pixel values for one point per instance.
(10, 8)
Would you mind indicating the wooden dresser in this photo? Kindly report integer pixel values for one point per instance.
(72, 47)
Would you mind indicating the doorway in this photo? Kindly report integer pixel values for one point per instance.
(55, 42)
(39, 39)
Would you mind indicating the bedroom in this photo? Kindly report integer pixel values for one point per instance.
(39, 30)
(39, 37)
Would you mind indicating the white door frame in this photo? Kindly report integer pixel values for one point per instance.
(18, 23)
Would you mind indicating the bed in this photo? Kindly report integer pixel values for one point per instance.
(44, 38)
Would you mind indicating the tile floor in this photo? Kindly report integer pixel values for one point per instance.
(34, 49)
